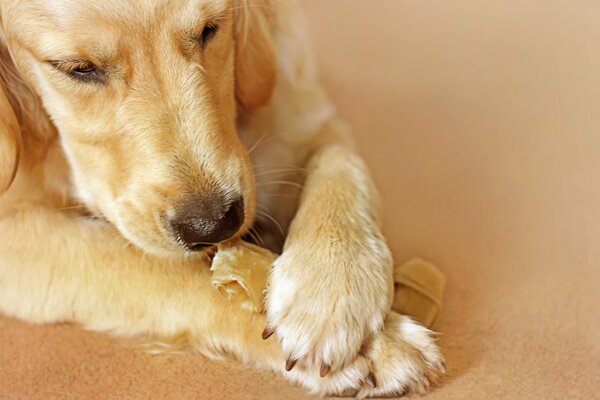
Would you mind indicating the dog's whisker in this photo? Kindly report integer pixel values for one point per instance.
(261, 240)
(68, 208)
(279, 165)
(281, 170)
(112, 242)
(118, 236)
(143, 257)
(255, 235)
(291, 196)
(263, 140)
(89, 217)
(256, 144)
(265, 214)
(246, 6)
(295, 184)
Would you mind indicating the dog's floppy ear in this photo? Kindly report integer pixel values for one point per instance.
(10, 130)
(255, 55)
(25, 127)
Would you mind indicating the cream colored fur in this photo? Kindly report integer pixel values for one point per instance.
(89, 172)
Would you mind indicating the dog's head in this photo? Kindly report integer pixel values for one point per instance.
(143, 95)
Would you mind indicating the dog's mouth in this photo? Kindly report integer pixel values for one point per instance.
(255, 234)
(201, 246)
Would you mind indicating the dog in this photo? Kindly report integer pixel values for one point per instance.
(135, 135)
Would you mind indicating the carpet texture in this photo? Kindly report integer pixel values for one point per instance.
(480, 121)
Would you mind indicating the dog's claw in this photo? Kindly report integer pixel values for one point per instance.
(371, 379)
(325, 368)
(267, 333)
(289, 364)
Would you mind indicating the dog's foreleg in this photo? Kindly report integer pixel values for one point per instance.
(55, 267)
(332, 287)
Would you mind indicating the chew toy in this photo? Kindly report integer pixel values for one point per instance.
(240, 272)
(419, 287)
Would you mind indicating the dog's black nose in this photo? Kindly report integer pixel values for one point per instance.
(207, 221)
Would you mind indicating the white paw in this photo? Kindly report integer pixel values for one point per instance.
(323, 304)
(401, 359)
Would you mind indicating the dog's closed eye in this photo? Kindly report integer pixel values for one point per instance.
(209, 32)
(79, 69)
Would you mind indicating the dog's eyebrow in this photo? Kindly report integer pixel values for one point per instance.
(57, 46)
(100, 59)
(194, 27)
(190, 33)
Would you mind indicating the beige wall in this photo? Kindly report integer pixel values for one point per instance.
(480, 119)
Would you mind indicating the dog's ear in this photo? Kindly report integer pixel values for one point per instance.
(10, 128)
(255, 55)
(25, 127)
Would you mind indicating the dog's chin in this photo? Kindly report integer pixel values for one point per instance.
(159, 245)
(165, 246)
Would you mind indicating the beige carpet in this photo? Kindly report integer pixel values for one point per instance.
(481, 120)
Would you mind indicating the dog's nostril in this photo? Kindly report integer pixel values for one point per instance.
(203, 222)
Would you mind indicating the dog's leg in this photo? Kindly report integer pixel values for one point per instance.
(59, 267)
(331, 289)
(56, 267)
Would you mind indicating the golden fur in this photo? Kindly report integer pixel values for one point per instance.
(89, 171)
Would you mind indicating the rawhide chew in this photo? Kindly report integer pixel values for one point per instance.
(240, 272)
(419, 289)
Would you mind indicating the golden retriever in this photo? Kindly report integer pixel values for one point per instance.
(135, 134)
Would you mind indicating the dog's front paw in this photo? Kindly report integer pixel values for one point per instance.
(323, 304)
(402, 358)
